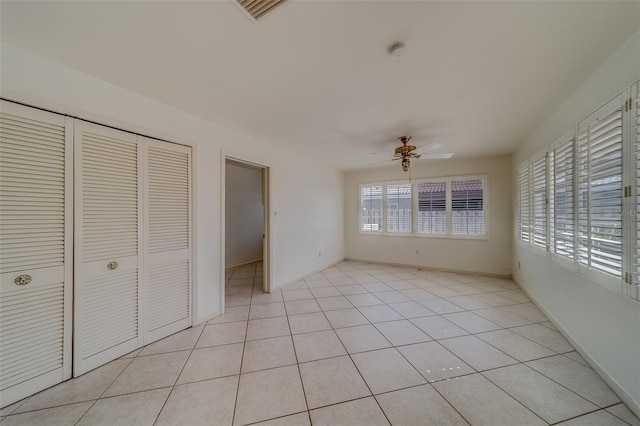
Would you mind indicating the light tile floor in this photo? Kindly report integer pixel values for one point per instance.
(355, 344)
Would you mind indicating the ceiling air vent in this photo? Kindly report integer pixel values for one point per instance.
(259, 8)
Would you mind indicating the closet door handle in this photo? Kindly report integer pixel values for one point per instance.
(22, 279)
(112, 265)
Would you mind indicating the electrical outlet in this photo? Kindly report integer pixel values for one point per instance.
(319, 254)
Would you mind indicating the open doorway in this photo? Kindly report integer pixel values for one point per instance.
(245, 226)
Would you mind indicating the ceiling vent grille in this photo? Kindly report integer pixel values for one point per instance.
(259, 8)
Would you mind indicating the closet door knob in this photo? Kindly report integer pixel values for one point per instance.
(112, 265)
(22, 279)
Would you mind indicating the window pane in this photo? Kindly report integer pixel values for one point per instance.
(399, 208)
(371, 205)
(432, 208)
(467, 207)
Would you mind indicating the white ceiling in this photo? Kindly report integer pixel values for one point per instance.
(315, 76)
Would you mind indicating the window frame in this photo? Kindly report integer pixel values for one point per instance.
(414, 207)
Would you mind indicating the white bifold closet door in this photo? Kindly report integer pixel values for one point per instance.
(108, 224)
(167, 246)
(133, 243)
(36, 197)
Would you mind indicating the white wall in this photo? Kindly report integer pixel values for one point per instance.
(487, 256)
(605, 325)
(307, 221)
(244, 214)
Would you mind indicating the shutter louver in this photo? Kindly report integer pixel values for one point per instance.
(168, 192)
(371, 208)
(524, 201)
(539, 168)
(432, 207)
(399, 207)
(561, 198)
(467, 207)
(600, 193)
(110, 197)
(32, 189)
(169, 294)
(35, 213)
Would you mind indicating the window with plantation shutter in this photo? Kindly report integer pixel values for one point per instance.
(539, 176)
(524, 204)
(599, 174)
(561, 205)
(399, 207)
(371, 208)
(635, 217)
(467, 207)
(432, 207)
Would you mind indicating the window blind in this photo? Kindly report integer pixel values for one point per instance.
(561, 199)
(467, 207)
(399, 207)
(432, 207)
(600, 192)
(524, 204)
(539, 168)
(371, 208)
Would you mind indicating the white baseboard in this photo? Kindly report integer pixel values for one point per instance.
(204, 319)
(627, 398)
(429, 268)
(243, 263)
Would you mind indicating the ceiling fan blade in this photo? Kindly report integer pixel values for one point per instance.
(384, 161)
(428, 147)
(437, 156)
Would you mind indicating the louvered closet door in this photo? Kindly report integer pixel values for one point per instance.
(35, 250)
(167, 260)
(107, 245)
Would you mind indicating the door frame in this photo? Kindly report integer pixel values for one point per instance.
(266, 241)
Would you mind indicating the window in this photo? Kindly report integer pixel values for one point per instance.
(580, 200)
(539, 169)
(467, 207)
(432, 208)
(599, 147)
(399, 207)
(444, 207)
(561, 197)
(524, 204)
(371, 208)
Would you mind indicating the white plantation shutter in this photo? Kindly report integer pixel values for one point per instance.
(371, 208)
(168, 242)
(35, 220)
(599, 159)
(524, 204)
(432, 207)
(107, 245)
(539, 176)
(399, 207)
(467, 207)
(561, 209)
(635, 216)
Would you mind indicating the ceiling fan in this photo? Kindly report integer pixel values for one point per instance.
(406, 152)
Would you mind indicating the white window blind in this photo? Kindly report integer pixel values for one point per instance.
(371, 208)
(432, 207)
(599, 150)
(561, 198)
(399, 207)
(539, 168)
(467, 207)
(524, 204)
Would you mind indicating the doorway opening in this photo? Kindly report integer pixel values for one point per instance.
(245, 227)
